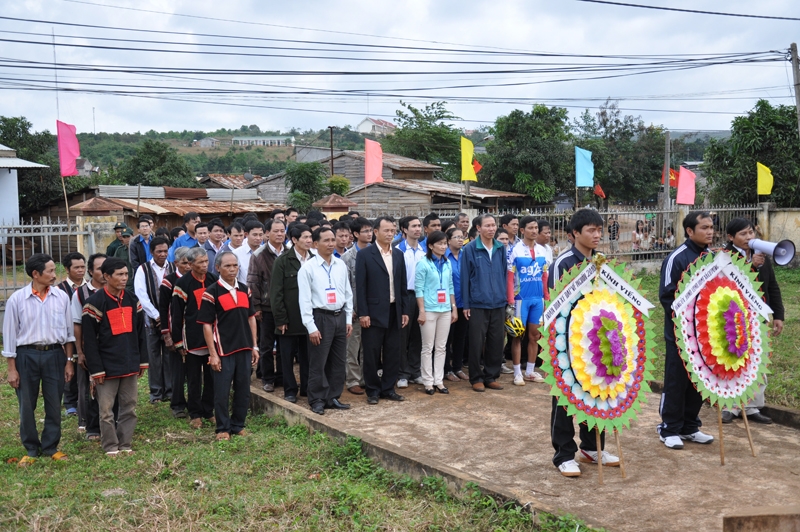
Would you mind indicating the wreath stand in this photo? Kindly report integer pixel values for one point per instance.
(722, 439)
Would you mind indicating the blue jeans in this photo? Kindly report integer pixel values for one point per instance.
(45, 368)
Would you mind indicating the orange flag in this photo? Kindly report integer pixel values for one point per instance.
(477, 166)
(673, 178)
(373, 162)
(598, 191)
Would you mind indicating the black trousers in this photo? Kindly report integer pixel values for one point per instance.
(680, 400)
(235, 372)
(486, 331)
(200, 386)
(382, 346)
(411, 353)
(562, 435)
(327, 361)
(456, 344)
(288, 345)
(71, 392)
(178, 373)
(270, 363)
(43, 369)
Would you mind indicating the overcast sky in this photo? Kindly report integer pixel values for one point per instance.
(705, 98)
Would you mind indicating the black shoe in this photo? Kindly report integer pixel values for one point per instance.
(442, 389)
(179, 414)
(758, 417)
(290, 398)
(336, 405)
(429, 391)
(372, 400)
(318, 408)
(393, 396)
(727, 417)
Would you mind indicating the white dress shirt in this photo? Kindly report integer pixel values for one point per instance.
(244, 254)
(29, 320)
(313, 281)
(544, 251)
(140, 288)
(75, 303)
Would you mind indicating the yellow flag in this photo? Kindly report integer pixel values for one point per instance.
(764, 185)
(467, 154)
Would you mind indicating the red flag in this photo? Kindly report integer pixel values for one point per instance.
(373, 162)
(68, 148)
(477, 166)
(673, 178)
(598, 191)
(685, 187)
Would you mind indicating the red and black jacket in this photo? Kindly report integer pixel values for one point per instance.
(229, 317)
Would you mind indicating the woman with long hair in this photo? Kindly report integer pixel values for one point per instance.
(457, 340)
(437, 310)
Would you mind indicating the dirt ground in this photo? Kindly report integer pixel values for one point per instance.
(503, 436)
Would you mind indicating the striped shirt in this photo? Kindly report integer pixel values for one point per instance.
(29, 320)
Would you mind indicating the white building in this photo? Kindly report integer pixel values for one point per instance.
(9, 199)
(375, 126)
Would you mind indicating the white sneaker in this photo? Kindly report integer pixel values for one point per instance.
(534, 377)
(672, 442)
(418, 380)
(590, 457)
(570, 468)
(402, 383)
(698, 437)
(505, 369)
(518, 380)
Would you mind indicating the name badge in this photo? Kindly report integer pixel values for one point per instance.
(441, 296)
(331, 295)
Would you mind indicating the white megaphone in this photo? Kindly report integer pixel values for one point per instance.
(781, 252)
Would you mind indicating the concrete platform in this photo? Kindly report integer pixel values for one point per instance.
(501, 439)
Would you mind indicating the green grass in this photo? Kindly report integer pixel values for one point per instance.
(279, 478)
(784, 381)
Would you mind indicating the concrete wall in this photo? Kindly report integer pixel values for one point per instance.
(101, 233)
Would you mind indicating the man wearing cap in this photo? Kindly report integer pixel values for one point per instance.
(112, 247)
(123, 253)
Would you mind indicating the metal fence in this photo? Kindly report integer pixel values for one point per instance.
(19, 242)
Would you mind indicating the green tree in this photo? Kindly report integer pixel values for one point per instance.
(767, 135)
(338, 184)
(307, 183)
(530, 153)
(37, 186)
(426, 135)
(156, 164)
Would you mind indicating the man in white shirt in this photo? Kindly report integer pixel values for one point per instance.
(326, 306)
(146, 283)
(253, 239)
(542, 247)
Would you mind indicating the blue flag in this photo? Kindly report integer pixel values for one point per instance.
(584, 168)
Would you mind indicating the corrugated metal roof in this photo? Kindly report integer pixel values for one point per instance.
(13, 162)
(234, 180)
(428, 186)
(127, 191)
(201, 207)
(223, 194)
(279, 137)
(390, 160)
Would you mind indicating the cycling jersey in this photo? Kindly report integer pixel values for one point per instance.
(525, 270)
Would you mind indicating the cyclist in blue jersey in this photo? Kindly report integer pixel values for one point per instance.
(525, 293)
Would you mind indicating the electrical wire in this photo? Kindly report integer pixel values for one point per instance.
(693, 11)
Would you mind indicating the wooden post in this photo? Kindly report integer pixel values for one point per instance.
(599, 456)
(721, 437)
(747, 428)
(138, 198)
(619, 451)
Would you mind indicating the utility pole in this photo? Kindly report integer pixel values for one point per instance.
(796, 75)
(331, 128)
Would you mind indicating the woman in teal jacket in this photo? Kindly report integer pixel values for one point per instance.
(437, 310)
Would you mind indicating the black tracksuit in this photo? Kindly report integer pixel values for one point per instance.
(680, 400)
(562, 429)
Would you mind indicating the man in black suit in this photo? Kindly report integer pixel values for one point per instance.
(382, 309)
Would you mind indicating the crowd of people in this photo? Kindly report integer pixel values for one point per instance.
(370, 306)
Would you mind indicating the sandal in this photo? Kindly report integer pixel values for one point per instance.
(196, 423)
(223, 436)
(93, 437)
(463, 376)
(112, 454)
(242, 433)
(26, 461)
(59, 456)
(127, 452)
(452, 377)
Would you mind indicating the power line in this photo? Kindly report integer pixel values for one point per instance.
(694, 11)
